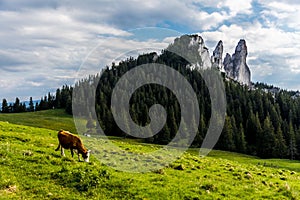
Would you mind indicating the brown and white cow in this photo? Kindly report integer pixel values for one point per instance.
(70, 141)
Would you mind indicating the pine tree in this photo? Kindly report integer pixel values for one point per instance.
(42, 104)
(280, 148)
(172, 123)
(297, 136)
(31, 105)
(226, 141)
(292, 148)
(5, 107)
(164, 136)
(17, 106)
(253, 131)
(23, 107)
(240, 141)
(201, 132)
(266, 140)
(68, 105)
(275, 119)
(50, 101)
(37, 106)
(57, 102)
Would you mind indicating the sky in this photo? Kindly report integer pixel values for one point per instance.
(44, 44)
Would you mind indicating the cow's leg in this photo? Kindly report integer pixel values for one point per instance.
(62, 151)
(72, 153)
(78, 156)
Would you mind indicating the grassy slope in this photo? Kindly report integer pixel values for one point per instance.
(50, 119)
(31, 169)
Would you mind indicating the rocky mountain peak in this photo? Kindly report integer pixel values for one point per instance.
(216, 58)
(241, 51)
(236, 66)
(193, 47)
(228, 65)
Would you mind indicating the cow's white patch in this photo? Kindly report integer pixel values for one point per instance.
(87, 159)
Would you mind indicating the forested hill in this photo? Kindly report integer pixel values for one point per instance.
(259, 121)
(262, 120)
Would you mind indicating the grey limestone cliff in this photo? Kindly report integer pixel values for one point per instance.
(236, 67)
(192, 47)
(216, 58)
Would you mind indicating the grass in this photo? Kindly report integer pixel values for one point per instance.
(31, 169)
(50, 119)
(292, 165)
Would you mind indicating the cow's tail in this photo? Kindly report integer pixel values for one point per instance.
(57, 147)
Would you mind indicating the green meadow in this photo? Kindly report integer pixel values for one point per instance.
(31, 169)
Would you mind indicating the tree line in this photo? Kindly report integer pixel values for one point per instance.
(61, 99)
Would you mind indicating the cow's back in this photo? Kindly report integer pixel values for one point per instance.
(68, 140)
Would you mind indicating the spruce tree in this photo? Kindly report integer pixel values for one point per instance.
(266, 140)
(17, 106)
(240, 141)
(280, 148)
(5, 107)
(253, 131)
(226, 141)
(292, 147)
(57, 102)
(31, 105)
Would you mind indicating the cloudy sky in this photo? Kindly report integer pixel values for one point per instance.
(43, 43)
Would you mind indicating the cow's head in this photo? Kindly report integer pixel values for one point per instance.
(86, 156)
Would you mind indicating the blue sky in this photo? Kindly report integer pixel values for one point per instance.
(44, 43)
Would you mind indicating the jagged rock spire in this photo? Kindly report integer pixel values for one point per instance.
(216, 58)
(236, 66)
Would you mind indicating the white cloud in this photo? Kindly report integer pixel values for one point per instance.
(43, 43)
(211, 20)
(237, 7)
(262, 71)
(39, 44)
(294, 65)
(282, 7)
(169, 40)
(286, 13)
(34, 84)
(116, 50)
(46, 55)
(4, 84)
